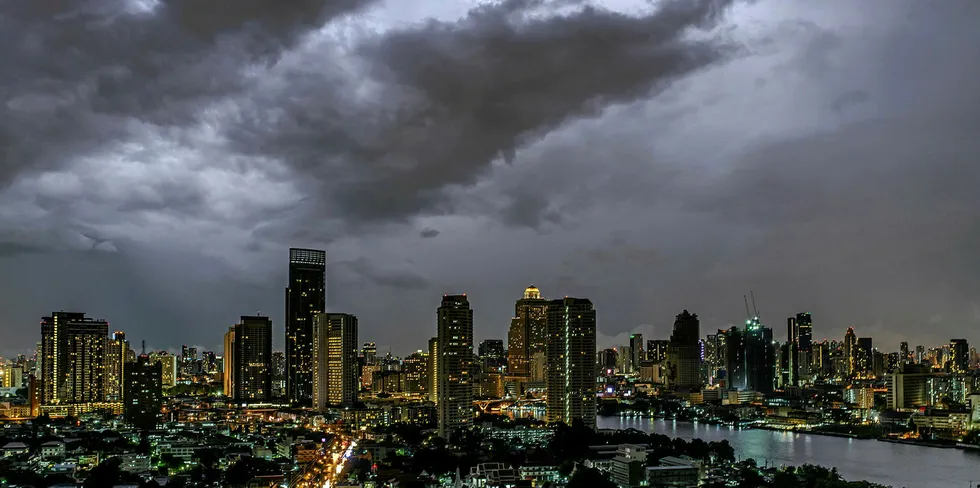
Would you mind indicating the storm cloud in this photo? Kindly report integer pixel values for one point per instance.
(157, 157)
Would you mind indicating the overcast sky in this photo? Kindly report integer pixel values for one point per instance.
(159, 157)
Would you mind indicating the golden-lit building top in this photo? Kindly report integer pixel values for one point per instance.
(532, 292)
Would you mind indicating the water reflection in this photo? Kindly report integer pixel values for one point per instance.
(897, 465)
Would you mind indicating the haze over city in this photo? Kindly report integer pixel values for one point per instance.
(157, 162)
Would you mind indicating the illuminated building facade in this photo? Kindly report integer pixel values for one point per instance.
(455, 355)
(528, 331)
(571, 352)
(253, 360)
(73, 353)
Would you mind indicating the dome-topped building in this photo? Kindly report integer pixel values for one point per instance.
(532, 293)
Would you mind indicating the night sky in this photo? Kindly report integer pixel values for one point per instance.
(158, 159)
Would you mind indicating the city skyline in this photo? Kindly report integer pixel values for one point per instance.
(740, 158)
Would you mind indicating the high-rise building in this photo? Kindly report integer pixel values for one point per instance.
(229, 363)
(279, 374)
(760, 357)
(434, 370)
(571, 351)
(528, 331)
(455, 353)
(369, 351)
(253, 360)
(850, 352)
(735, 375)
(624, 362)
(804, 326)
(636, 349)
(335, 347)
(657, 350)
(684, 353)
(168, 363)
(143, 398)
(115, 366)
(864, 356)
(790, 354)
(491, 352)
(73, 350)
(305, 297)
(415, 369)
(904, 356)
(959, 356)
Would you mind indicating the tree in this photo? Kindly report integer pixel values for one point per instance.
(589, 478)
(107, 473)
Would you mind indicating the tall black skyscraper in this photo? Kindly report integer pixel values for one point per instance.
(684, 353)
(253, 360)
(491, 354)
(959, 356)
(804, 326)
(760, 357)
(305, 297)
(73, 353)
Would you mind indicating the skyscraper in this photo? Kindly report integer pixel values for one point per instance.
(416, 371)
(253, 360)
(571, 351)
(115, 366)
(736, 378)
(760, 357)
(684, 353)
(850, 352)
(73, 350)
(455, 355)
(370, 353)
(228, 359)
(305, 297)
(143, 392)
(528, 330)
(790, 353)
(959, 356)
(904, 356)
(864, 355)
(804, 327)
(636, 349)
(335, 347)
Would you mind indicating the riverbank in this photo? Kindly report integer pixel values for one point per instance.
(887, 463)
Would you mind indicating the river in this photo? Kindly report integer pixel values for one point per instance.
(896, 465)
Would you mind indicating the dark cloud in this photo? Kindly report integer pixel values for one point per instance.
(428, 233)
(75, 76)
(452, 97)
(364, 269)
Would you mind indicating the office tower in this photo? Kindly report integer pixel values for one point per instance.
(850, 352)
(607, 361)
(143, 396)
(624, 362)
(491, 352)
(904, 356)
(229, 362)
(455, 355)
(959, 356)
(434, 370)
(279, 374)
(369, 351)
(864, 356)
(715, 353)
(305, 297)
(684, 353)
(115, 366)
(253, 360)
(804, 326)
(760, 357)
(335, 347)
(789, 356)
(636, 349)
(528, 331)
(735, 372)
(657, 350)
(571, 350)
(73, 350)
(415, 369)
